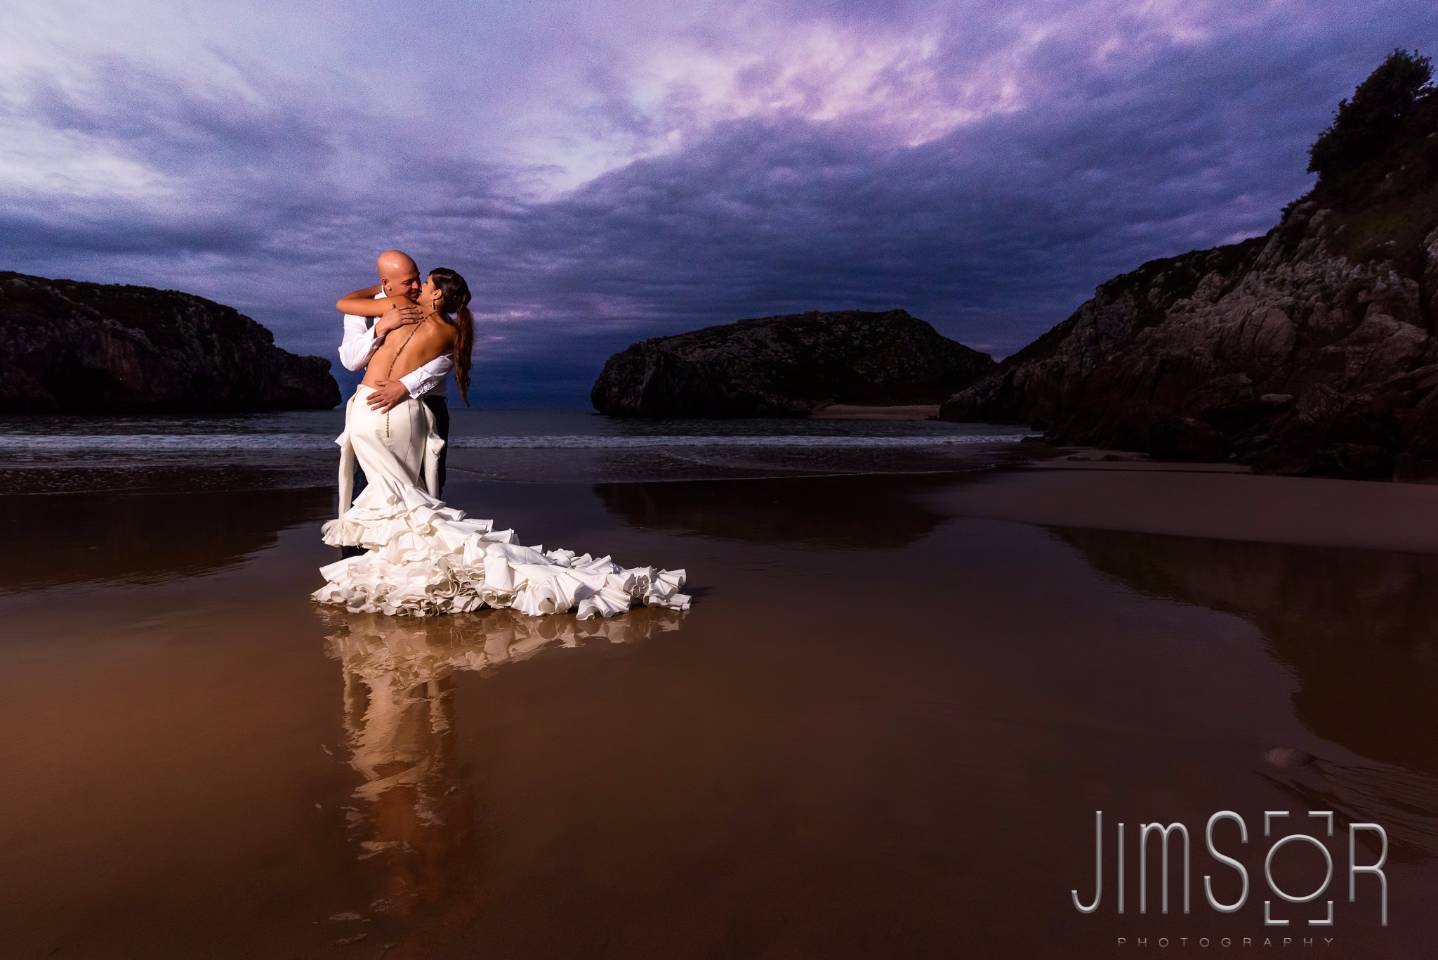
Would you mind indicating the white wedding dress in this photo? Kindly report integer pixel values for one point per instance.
(424, 557)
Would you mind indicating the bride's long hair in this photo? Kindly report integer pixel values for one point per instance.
(455, 310)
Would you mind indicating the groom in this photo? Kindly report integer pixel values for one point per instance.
(399, 279)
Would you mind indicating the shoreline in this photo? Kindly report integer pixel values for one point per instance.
(861, 411)
(1056, 487)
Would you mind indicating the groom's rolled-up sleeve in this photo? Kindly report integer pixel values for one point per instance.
(422, 380)
(359, 343)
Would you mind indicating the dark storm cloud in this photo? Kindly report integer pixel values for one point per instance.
(994, 232)
(275, 198)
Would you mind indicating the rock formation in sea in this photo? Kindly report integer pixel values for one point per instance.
(787, 366)
(72, 347)
(1307, 350)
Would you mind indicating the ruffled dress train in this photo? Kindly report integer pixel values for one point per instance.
(424, 557)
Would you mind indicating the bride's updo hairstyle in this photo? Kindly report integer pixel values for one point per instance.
(454, 307)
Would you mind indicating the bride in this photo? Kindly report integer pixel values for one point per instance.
(425, 557)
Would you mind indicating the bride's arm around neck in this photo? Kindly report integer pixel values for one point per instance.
(365, 302)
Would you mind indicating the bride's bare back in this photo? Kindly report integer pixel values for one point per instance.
(408, 348)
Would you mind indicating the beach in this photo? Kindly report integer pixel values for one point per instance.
(1004, 439)
(882, 729)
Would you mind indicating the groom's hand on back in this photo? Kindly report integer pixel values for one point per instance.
(387, 395)
(397, 316)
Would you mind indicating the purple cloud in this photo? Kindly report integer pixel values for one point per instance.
(602, 175)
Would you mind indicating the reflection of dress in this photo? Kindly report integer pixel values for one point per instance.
(424, 557)
(414, 812)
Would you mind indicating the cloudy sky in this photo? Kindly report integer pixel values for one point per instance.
(604, 171)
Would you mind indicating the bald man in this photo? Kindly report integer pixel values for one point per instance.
(399, 279)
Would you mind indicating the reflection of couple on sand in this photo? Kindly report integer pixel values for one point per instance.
(422, 556)
(415, 801)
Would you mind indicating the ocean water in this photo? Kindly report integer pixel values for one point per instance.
(52, 453)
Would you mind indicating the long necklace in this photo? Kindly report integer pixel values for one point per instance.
(392, 360)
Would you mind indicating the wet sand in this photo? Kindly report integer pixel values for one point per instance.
(1208, 500)
(882, 730)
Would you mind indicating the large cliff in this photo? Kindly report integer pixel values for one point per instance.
(1308, 350)
(71, 347)
(787, 366)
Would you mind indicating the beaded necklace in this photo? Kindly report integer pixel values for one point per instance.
(392, 361)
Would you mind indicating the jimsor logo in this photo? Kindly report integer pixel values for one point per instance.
(1275, 914)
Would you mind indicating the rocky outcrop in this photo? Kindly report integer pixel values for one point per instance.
(72, 347)
(1308, 350)
(787, 366)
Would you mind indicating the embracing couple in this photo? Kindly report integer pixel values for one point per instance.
(405, 550)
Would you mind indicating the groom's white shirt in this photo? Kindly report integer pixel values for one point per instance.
(359, 345)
